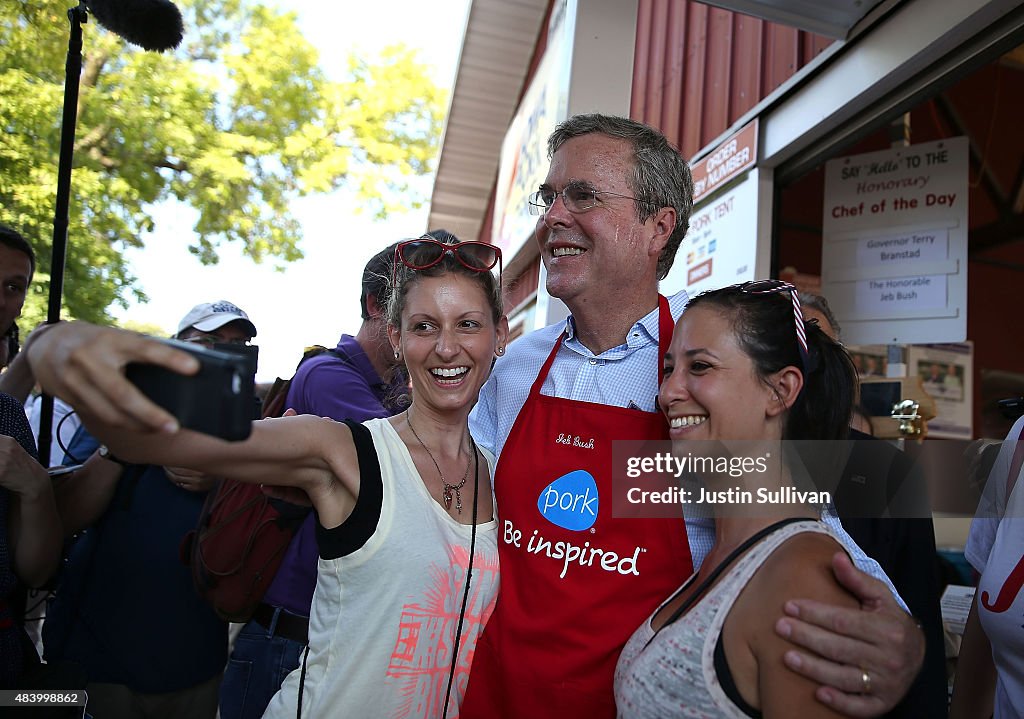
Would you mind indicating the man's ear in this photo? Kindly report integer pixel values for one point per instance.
(786, 385)
(664, 224)
(373, 307)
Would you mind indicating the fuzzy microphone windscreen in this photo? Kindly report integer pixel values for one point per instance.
(150, 24)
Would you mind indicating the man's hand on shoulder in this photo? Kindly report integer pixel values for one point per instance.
(865, 659)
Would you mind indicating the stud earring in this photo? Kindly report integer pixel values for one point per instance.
(500, 351)
(397, 356)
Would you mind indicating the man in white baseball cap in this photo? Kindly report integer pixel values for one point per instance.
(175, 669)
(216, 322)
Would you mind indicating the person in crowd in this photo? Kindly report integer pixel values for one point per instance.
(30, 539)
(358, 380)
(743, 366)
(990, 668)
(817, 309)
(30, 529)
(407, 537)
(125, 607)
(882, 501)
(614, 208)
(18, 260)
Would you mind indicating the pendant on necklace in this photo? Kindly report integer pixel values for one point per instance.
(446, 495)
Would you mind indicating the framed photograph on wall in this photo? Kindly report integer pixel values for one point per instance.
(946, 372)
(870, 360)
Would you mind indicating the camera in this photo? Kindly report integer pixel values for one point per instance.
(217, 400)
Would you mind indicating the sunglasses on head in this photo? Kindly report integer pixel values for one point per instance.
(771, 287)
(425, 252)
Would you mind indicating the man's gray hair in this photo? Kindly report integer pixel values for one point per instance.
(817, 302)
(661, 177)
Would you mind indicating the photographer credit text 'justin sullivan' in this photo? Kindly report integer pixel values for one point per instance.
(653, 479)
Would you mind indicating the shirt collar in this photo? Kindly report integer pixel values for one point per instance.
(348, 346)
(391, 394)
(640, 334)
(644, 331)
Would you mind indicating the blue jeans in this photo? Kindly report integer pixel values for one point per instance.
(256, 668)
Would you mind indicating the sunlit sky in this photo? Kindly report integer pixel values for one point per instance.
(317, 298)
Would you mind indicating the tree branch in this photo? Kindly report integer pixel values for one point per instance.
(94, 63)
(91, 70)
(104, 161)
(179, 166)
(92, 138)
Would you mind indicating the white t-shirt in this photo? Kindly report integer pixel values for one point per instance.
(65, 423)
(995, 547)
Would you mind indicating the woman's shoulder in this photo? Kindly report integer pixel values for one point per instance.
(802, 567)
(799, 568)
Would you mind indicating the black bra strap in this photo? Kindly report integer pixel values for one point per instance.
(723, 565)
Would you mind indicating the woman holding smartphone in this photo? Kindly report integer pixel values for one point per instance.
(407, 534)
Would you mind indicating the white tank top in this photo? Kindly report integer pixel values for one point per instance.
(383, 621)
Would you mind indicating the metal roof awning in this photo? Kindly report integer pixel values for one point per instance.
(499, 43)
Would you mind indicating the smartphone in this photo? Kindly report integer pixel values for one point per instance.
(218, 400)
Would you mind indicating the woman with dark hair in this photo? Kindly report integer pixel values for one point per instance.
(743, 365)
(407, 534)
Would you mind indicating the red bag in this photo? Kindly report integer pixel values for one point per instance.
(237, 548)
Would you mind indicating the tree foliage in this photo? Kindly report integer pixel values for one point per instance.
(235, 123)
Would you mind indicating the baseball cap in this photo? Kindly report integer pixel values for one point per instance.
(211, 316)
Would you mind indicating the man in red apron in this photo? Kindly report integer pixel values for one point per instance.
(575, 581)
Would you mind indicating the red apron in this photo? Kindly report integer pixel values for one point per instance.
(575, 582)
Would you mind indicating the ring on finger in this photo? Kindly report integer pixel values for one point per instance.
(865, 681)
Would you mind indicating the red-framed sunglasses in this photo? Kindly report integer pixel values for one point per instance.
(425, 252)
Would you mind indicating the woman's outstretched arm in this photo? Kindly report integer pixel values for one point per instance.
(84, 365)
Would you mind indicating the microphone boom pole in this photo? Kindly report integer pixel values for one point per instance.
(150, 24)
(58, 254)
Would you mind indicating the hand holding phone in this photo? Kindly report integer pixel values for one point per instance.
(217, 400)
(84, 365)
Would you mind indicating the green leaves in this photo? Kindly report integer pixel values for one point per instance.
(236, 123)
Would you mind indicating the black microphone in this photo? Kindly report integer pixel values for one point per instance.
(150, 24)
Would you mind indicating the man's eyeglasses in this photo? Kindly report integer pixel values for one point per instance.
(214, 340)
(577, 198)
(426, 252)
(770, 287)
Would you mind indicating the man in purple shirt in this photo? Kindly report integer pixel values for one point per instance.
(357, 380)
